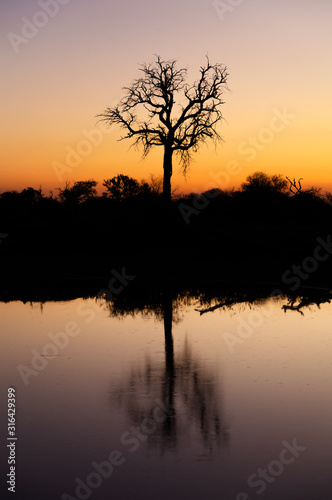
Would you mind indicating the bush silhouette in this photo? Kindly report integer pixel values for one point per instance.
(78, 193)
(260, 182)
(122, 187)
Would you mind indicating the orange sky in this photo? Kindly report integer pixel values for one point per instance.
(60, 75)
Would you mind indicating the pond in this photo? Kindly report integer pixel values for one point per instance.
(221, 400)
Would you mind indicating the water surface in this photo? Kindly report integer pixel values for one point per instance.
(186, 405)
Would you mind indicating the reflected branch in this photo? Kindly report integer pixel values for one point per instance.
(304, 302)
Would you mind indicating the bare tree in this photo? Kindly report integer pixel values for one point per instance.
(155, 96)
(296, 188)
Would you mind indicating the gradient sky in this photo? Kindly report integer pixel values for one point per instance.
(278, 54)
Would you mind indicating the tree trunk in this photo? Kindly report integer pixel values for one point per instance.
(168, 152)
(169, 425)
(169, 348)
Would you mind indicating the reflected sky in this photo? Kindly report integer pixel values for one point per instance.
(239, 381)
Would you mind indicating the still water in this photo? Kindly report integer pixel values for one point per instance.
(185, 402)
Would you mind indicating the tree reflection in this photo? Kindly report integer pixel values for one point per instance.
(180, 383)
(300, 303)
(296, 301)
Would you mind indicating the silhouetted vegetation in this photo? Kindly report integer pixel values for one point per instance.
(259, 183)
(122, 187)
(253, 233)
(78, 193)
(161, 109)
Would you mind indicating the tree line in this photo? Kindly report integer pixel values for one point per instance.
(122, 187)
(269, 222)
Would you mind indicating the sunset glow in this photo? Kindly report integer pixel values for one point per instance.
(66, 61)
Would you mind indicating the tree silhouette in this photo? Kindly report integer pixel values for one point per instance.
(295, 187)
(262, 182)
(121, 187)
(162, 93)
(79, 192)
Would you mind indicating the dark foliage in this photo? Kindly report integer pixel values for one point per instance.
(258, 230)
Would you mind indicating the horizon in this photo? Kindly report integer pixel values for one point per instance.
(213, 184)
(64, 69)
(179, 325)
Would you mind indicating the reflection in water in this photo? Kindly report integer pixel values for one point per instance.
(140, 298)
(276, 387)
(181, 381)
(296, 302)
(299, 303)
(227, 302)
(182, 384)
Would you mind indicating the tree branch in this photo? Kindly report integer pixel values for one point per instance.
(154, 94)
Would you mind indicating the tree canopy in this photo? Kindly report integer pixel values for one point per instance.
(121, 187)
(79, 192)
(161, 109)
(264, 183)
